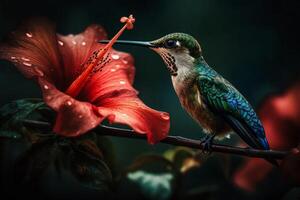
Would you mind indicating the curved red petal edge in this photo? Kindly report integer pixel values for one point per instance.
(133, 112)
(73, 117)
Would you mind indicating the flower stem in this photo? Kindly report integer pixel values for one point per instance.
(175, 140)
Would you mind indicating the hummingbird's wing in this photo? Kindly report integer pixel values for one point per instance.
(223, 99)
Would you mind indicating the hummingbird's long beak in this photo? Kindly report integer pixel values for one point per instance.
(129, 42)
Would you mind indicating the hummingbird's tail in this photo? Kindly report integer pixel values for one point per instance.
(249, 136)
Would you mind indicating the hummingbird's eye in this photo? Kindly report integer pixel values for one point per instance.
(171, 43)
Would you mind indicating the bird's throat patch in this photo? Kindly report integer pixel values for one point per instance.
(169, 61)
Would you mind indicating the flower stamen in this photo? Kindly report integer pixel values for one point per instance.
(76, 86)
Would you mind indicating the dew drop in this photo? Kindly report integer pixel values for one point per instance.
(48, 97)
(125, 61)
(69, 103)
(122, 82)
(60, 43)
(113, 70)
(46, 87)
(27, 64)
(13, 57)
(118, 66)
(165, 116)
(29, 35)
(74, 42)
(38, 71)
(80, 116)
(115, 56)
(83, 43)
(25, 59)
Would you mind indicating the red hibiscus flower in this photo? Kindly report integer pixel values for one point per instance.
(82, 80)
(280, 115)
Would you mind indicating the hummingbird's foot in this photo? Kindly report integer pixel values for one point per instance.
(207, 142)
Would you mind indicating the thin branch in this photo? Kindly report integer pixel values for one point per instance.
(175, 140)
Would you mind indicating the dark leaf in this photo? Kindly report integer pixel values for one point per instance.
(90, 170)
(13, 114)
(31, 165)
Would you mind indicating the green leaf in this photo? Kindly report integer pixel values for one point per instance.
(13, 114)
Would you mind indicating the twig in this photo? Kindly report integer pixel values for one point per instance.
(175, 140)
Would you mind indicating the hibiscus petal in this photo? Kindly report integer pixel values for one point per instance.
(73, 117)
(114, 79)
(33, 49)
(76, 49)
(134, 113)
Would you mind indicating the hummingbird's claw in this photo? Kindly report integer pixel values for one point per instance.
(207, 143)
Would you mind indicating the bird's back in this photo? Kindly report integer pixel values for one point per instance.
(225, 100)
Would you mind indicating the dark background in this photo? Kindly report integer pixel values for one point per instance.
(254, 44)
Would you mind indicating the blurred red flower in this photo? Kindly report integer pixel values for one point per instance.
(59, 62)
(280, 115)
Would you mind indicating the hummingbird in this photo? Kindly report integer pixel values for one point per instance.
(212, 101)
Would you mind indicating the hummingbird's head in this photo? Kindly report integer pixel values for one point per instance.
(178, 50)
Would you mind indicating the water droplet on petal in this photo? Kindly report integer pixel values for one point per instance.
(80, 116)
(74, 42)
(69, 103)
(122, 82)
(46, 87)
(60, 43)
(124, 115)
(12, 57)
(48, 97)
(29, 35)
(27, 64)
(83, 43)
(25, 59)
(118, 66)
(38, 71)
(115, 56)
(125, 61)
(165, 116)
